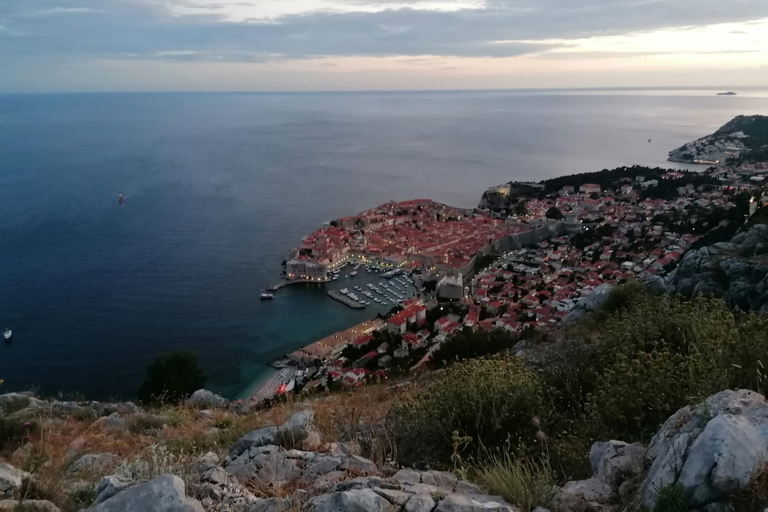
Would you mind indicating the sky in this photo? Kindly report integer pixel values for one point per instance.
(298, 45)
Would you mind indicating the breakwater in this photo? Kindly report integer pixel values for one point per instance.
(345, 300)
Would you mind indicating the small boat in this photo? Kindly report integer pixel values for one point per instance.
(266, 296)
(7, 334)
(353, 273)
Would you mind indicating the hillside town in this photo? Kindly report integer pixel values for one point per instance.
(519, 270)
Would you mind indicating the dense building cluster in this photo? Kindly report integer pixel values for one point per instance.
(583, 237)
(409, 233)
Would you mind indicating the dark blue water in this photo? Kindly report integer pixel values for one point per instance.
(218, 186)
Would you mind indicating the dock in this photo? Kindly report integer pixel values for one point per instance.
(283, 284)
(269, 389)
(345, 300)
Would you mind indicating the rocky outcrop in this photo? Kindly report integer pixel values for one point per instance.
(590, 302)
(23, 406)
(205, 399)
(163, 494)
(407, 492)
(710, 450)
(292, 432)
(11, 479)
(613, 463)
(737, 271)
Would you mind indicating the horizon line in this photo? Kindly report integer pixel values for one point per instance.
(725, 88)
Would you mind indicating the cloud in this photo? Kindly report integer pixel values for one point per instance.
(225, 30)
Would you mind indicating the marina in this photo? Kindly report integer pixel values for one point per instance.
(347, 301)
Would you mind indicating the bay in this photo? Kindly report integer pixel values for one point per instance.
(219, 186)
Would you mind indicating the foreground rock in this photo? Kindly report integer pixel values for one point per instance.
(163, 494)
(710, 450)
(291, 434)
(11, 479)
(407, 491)
(205, 399)
(28, 506)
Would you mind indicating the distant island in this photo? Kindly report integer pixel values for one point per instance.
(729, 93)
(744, 138)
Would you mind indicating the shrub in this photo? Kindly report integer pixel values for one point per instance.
(526, 483)
(12, 433)
(489, 402)
(747, 356)
(172, 378)
(636, 394)
(671, 499)
(663, 353)
(471, 344)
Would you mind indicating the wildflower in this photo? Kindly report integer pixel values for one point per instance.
(536, 422)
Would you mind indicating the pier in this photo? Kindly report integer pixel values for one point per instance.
(283, 284)
(345, 300)
(269, 389)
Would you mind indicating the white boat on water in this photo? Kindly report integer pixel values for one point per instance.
(7, 334)
(263, 296)
(353, 273)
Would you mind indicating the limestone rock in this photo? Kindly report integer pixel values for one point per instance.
(407, 476)
(474, 503)
(28, 505)
(362, 500)
(206, 400)
(395, 497)
(271, 505)
(419, 503)
(163, 494)
(736, 271)
(11, 479)
(710, 450)
(254, 439)
(291, 433)
(359, 464)
(592, 489)
(94, 462)
(323, 465)
(615, 461)
(111, 485)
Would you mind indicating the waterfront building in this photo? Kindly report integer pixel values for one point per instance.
(306, 269)
(590, 188)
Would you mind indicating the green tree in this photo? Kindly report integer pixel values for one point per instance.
(555, 213)
(520, 209)
(172, 378)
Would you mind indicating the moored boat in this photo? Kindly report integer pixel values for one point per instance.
(266, 296)
(7, 334)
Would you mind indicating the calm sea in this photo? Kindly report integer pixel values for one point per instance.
(218, 186)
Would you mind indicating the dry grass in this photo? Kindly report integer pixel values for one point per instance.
(526, 483)
(356, 416)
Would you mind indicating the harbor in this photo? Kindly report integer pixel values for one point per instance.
(344, 299)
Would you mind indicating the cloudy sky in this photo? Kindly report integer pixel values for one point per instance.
(245, 45)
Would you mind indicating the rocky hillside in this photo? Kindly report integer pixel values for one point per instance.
(737, 271)
(741, 136)
(702, 456)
